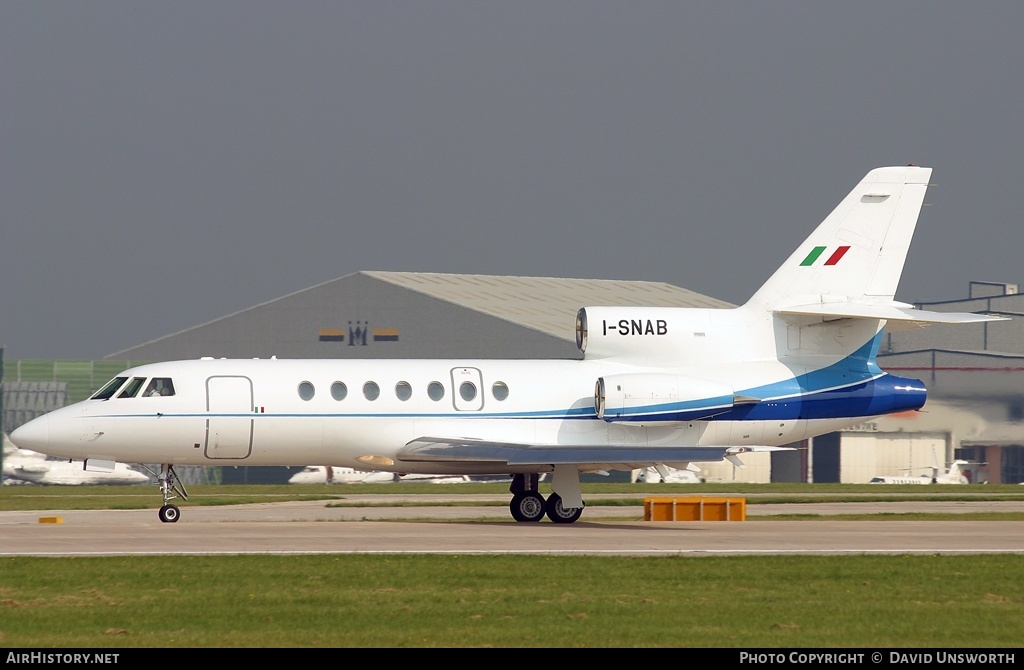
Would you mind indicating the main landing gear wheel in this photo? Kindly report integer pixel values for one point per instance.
(527, 506)
(169, 514)
(559, 514)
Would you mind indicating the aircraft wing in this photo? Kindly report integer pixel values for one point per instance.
(462, 450)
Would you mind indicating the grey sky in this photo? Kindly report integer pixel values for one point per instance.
(166, 163)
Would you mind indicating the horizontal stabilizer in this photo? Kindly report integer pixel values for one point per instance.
(894, 311)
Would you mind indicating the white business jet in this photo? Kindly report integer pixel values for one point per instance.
(656, 385)
(661, 474)
(327, 474)
(955, 474)
(323, 474)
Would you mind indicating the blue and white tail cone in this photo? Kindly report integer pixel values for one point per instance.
(887, 394)
(897, 394)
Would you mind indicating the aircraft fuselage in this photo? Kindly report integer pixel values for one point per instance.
(356, 413)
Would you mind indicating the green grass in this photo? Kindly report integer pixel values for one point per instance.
(512, 601)
(466, 601)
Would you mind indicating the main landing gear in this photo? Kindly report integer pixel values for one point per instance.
(529, 505)
(170, 487)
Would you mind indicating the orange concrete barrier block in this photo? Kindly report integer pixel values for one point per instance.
(695, 509)
(50, 519)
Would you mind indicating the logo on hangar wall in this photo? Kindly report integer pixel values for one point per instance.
(358, 334)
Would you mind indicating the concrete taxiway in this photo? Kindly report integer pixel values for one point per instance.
(361, 527)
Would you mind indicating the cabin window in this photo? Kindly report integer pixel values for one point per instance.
(403, 390)
(339, 390)
(108, 391)
(132, 389)
(467, 390)
(371, 391)
(306, 391)
(159, 386)
(499, 390)
(435, 390)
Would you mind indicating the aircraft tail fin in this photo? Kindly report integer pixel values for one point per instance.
(850, 266)
(857, 253)
(957, 471)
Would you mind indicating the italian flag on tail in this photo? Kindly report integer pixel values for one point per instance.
(816, 253)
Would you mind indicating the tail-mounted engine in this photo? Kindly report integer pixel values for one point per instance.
(654, 333)
(655, 397)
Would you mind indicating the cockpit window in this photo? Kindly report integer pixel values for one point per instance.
(159, 386)
(132, 389)
(110, 389)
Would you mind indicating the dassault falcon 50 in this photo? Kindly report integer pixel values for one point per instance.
(655, 385)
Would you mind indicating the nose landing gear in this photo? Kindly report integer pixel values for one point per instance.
(170, 488)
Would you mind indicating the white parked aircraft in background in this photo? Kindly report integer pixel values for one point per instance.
(656, 385)
(22, 465)
(319, 474)
(661, 474)
(954, 475)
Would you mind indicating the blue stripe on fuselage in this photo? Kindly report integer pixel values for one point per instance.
(852, 387)
(858, 367)
(882, 395)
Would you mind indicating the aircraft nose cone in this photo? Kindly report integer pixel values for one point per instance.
(34, 435)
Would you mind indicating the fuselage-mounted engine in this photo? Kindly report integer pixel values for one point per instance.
(655, 397)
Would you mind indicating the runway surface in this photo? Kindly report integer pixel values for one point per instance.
(359, 527)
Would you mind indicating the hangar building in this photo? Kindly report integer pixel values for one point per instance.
(415, 315)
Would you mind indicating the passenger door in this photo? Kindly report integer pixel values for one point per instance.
(229, 404)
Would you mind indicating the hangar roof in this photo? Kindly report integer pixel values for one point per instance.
(288, 326)
(546, 304)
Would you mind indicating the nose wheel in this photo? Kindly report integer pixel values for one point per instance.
(170, 488)
(169, 513)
